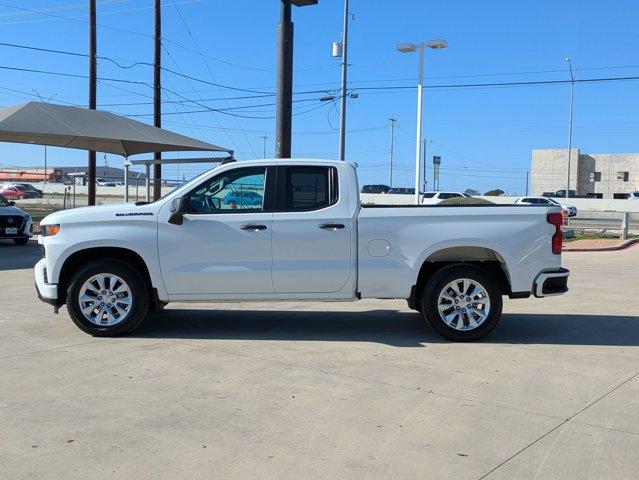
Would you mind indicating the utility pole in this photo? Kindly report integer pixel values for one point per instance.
(572, 91)
(157, 96)
(264, 137)
(527, 174)
(392, 125)
(342, 125)
(284, 83)
(92, 95)
(425, 182)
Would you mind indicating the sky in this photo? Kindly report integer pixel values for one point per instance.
(484, 134)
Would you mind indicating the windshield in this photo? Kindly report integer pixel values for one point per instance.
(4, 202)
(429, 195)
(554, 202)
(189, 183)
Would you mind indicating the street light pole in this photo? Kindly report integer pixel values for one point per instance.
(408, 48)
(418, 135)
(284, 84)
(572, 91)
(342, 125)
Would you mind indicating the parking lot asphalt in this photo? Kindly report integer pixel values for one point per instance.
(325, 390)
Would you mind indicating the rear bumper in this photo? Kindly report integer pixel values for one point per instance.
(47, 292)
(551, 283)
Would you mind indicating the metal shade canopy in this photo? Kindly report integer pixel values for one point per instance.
(49, 124)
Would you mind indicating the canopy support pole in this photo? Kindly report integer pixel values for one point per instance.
(126, 180)
(148, 182)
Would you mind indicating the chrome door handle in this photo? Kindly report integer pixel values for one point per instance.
(331, 226)
(252, 227)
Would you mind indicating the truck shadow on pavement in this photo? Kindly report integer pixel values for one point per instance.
(390, 327)
(19, 257)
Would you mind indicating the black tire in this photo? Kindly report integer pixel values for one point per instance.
(21, 241)
(139, 292)
(436, 284)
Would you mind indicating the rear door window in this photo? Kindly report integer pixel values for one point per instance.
(306, 188)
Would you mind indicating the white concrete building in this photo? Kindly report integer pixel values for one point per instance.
(596, 175)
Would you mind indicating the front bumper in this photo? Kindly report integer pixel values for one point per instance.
(24, 231)
(551, 283)
(47, 292)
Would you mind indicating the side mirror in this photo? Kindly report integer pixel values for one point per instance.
(179, 207)
(12, 203)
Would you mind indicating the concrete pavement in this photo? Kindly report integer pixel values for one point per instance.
(321, 390)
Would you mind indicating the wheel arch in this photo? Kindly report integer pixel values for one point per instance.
(485, 258)
(81, 257)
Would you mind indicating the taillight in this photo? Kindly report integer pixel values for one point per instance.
(557, 220)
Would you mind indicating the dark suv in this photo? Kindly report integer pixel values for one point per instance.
(15, 224)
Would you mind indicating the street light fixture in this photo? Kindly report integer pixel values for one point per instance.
(435, 44)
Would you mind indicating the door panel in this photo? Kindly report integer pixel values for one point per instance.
(306, 257)
(223, 245)
(211, 254)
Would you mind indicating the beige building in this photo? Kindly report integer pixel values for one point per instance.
(596, 175)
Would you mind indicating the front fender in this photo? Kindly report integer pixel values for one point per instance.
(140, 239)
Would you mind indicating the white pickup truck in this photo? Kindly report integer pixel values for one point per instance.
(296, 230)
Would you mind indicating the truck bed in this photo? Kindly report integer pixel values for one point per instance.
(392, 238)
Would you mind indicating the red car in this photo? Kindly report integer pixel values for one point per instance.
(14, 193)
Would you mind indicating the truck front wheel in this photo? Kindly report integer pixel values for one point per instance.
(462, 302)
(107, 298)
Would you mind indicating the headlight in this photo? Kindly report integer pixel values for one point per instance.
(49, 230)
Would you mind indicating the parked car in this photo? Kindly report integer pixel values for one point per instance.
(402, 191)
(560, 194)
(634, 196)
(571, 209)
(311, 239)
(433, 198)
(13, 192)
(243, 199)
(375, 189)
(15, 224)
(33, 191)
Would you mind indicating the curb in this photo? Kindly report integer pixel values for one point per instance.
(622, 246)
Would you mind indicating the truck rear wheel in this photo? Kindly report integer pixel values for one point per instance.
(107, 298)
(462, 302)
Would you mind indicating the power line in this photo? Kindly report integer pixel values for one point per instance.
(377, 88)
(132, 32)
(197, 47)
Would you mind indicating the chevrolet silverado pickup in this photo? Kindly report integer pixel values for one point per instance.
(296, 230)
